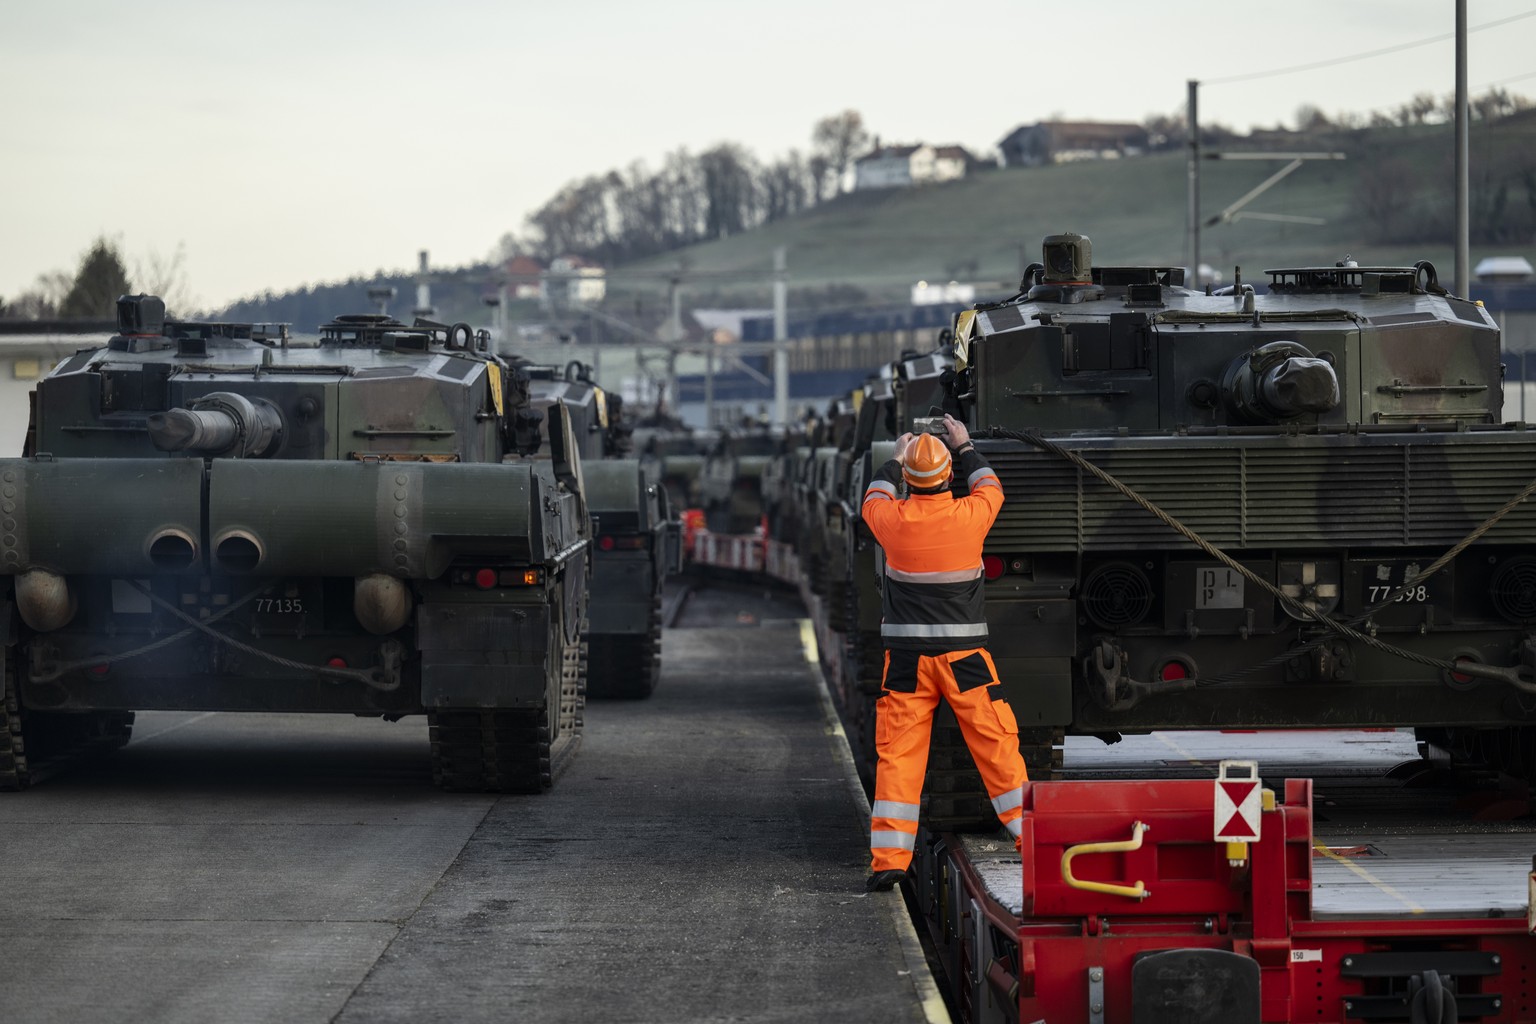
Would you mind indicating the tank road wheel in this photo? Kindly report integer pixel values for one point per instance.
(515, 751)
(627, 667)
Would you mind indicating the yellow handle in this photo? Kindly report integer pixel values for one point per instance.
(1135, 892)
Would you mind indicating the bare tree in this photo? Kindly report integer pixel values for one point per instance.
(166, 276)
(730, 190)
(837, 138)
(42, 300)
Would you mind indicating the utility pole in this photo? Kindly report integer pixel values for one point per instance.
(780, 336)
(1463, 216)
(424, 290)
(1193, 122)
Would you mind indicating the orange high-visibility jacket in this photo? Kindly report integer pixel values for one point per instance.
(932, 593)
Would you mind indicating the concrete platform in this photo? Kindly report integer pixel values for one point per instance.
(702, 860)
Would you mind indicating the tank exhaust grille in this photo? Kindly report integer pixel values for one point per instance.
(1513, 589)
(1117, 594)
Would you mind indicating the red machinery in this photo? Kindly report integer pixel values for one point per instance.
(1142, 904)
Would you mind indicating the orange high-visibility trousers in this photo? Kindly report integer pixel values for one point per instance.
(913, 684)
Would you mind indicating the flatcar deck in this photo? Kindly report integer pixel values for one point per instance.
(1384, 846)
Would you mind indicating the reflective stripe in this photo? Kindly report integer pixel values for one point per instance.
(1009, 800)
(1015, 827)
(880, 489)
(894, 809)
(942, 576)
(928, 630)
(914, 474)
(892, 840)
(978, 479)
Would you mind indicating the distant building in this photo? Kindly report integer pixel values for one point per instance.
(1059, 142)
(576, 279)
(525, 277)
(929, 293)
(904, 166)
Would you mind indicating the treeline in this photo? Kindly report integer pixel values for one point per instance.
(629, 214)
(90, 293)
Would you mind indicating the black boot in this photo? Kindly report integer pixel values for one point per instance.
(882, 881)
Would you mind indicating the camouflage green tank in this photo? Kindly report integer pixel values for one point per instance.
(638, 533)
(215, 517)
(1295, 507)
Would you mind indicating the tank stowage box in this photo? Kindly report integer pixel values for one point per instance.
(1329, 440)
(213, 516)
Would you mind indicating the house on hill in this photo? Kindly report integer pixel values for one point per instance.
(904, 166)
(577, 279)
(525, 277)
(1059, 142)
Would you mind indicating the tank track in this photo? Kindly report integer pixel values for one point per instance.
(627, 667)
(35, 744)
(954, 797)
(518, 751)
(1510, 749)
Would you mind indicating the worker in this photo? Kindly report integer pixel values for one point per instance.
(935, 635)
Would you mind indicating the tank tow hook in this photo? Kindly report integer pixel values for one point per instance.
(1108, 673)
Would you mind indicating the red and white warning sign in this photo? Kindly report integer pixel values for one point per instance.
(1239, 799)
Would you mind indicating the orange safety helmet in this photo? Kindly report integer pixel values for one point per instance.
(926, 464)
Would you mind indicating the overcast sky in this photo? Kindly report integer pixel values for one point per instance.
(297, 141)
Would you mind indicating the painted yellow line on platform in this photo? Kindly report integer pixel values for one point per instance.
(918, 973)
(1322, 848)
(808, 642)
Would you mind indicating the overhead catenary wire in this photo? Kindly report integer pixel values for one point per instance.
(1383, 51)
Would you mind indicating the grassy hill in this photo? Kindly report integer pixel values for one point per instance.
(1391, 201)
(986, 227)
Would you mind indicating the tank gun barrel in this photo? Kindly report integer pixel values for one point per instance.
(218, 424)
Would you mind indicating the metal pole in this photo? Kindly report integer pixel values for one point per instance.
(780, 335)
(1463, 217)
(1193, 122)
(596, 327)
(423, 288)
(709, 387)
(503, 318)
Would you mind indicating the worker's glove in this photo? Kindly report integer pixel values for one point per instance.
(955, 432)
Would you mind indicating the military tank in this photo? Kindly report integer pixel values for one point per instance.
(214, 516)
(638, 533)
(1278, 507)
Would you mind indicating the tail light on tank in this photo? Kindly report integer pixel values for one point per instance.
(609, 542)
(488, 578)
(1175, 669)
(996, 566)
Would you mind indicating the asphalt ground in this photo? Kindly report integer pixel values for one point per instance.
(702, 859)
